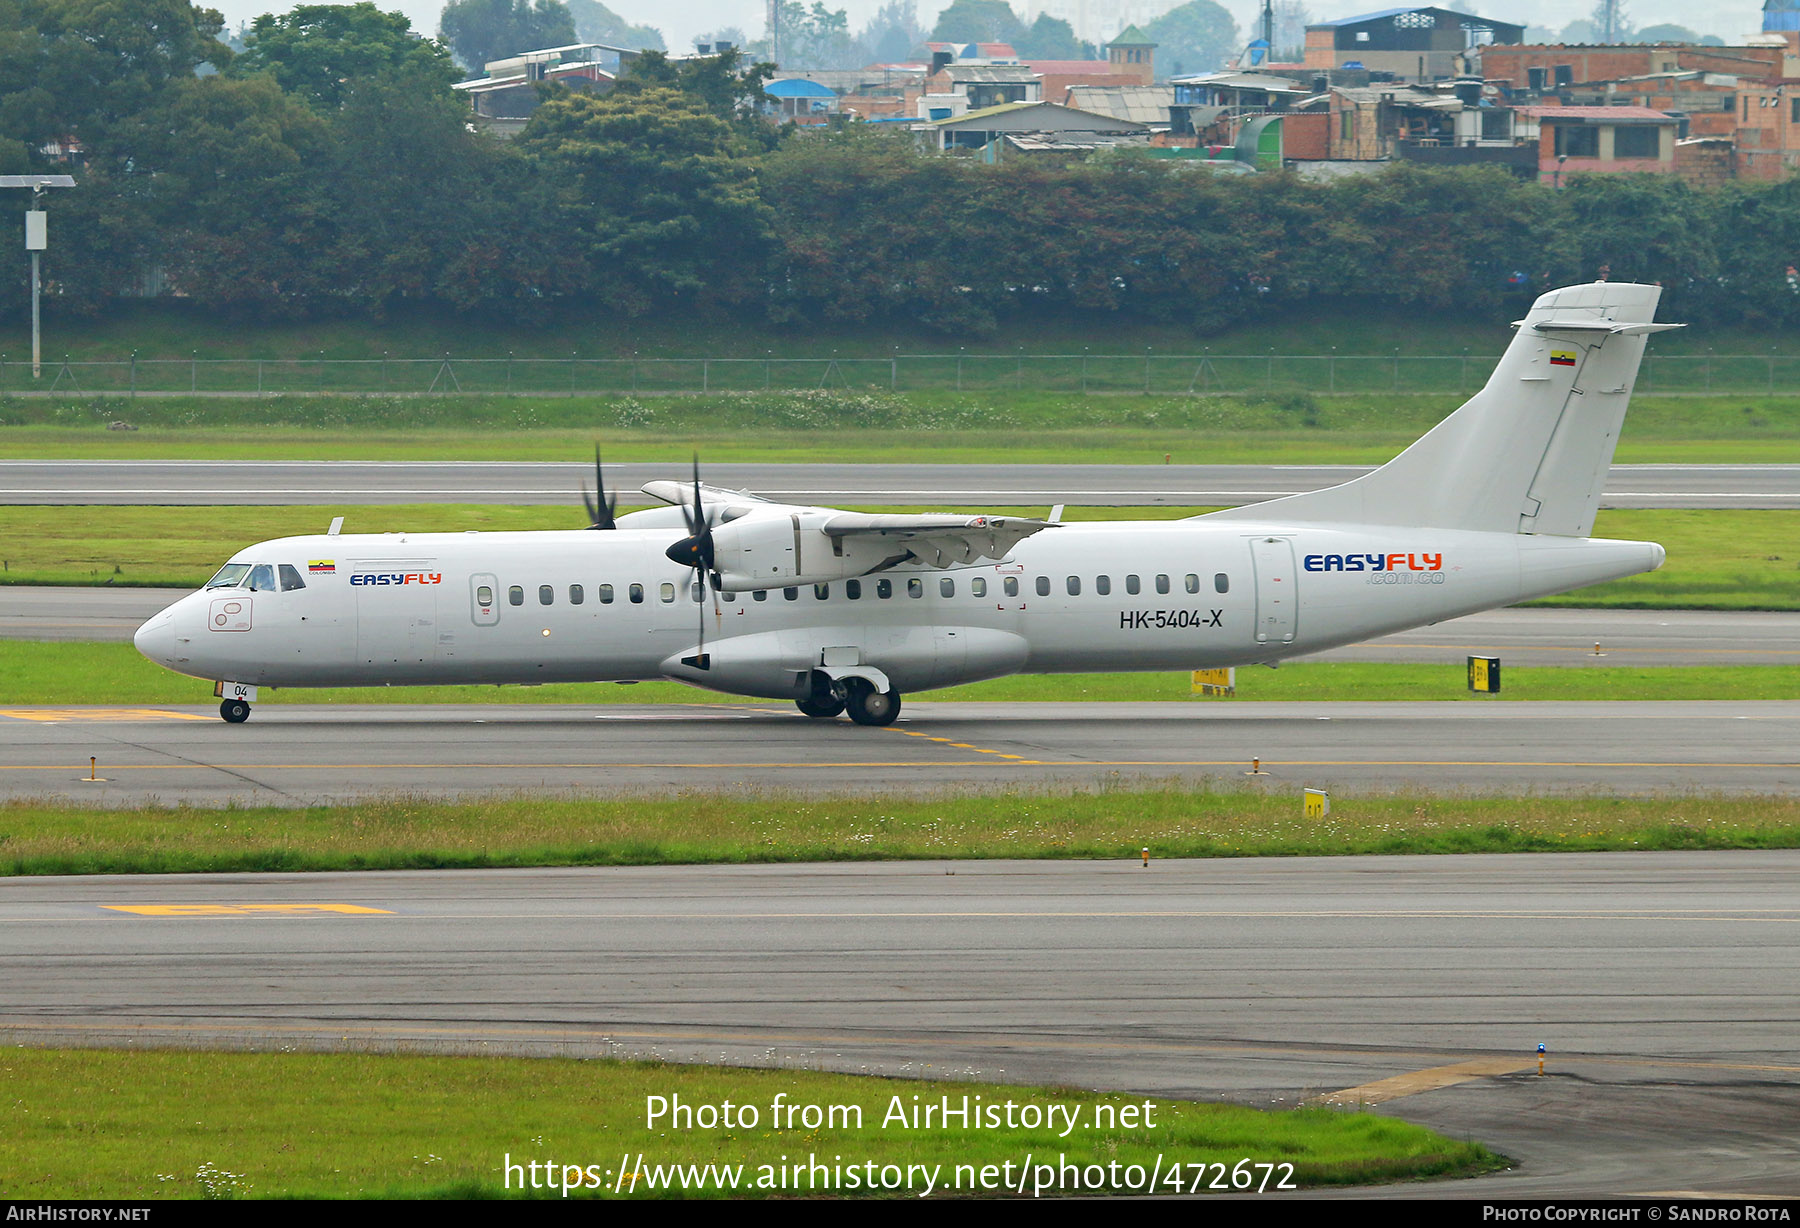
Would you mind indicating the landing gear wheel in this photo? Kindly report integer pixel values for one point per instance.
(867, 706)
(235, 710)
(820, 707)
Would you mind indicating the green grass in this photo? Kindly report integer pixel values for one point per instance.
(1178, 820)
(1718, 559)
(68, 673)
(172, 330)
(92, 1124)
(926, 427)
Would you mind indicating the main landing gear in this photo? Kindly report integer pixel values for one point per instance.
(235, 710)
(857, 696)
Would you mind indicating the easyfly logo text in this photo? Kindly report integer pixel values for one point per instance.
(398, 577)
(1421, 561)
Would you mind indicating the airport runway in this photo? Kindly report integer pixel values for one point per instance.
(1665, 985)
(1519, 637)
(972, 486)
(307, 755)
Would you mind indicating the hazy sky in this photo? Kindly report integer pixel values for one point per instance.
(682, 20)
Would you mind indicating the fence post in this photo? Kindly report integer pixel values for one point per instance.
(705, 375)
(1771, 368)
(259, 363)
(894, 369)
(1709, 368)
(194, 372)
(509, 363)
(1271, 379)
(1084, 356)
(1331, 369)
(134, 375)
(1147, 350)
(959, 357)
(1396, 368)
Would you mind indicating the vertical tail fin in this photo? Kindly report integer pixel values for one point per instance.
(1530, 451)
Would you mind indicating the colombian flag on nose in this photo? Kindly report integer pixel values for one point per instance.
(317, 567)
(1562, 358)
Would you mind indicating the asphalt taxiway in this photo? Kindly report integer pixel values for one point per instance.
(306, 755)
(558, 482)
(1664, 985)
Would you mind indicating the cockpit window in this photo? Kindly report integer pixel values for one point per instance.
(230, 576)
(262, 578)
(290, 578)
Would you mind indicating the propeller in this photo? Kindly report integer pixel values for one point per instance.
(696, 551)
(599, 507)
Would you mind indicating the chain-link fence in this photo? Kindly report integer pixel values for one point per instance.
(1147, 373)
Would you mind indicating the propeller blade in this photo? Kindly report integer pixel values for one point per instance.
(599, 509)
(696, 551)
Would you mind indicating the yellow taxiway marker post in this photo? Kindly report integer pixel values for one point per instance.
(1540, 1059)
(1256, 767)
(1146, 852)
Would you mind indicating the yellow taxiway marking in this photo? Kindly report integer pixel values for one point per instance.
(980, 750)
(1416, 1081)
(99, 714)
(240, 910)
(1588, 652)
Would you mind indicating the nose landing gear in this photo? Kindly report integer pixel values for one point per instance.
(235, 710)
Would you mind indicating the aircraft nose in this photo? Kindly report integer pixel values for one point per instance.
(156, 638)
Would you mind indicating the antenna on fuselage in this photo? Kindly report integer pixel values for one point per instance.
(337, 523)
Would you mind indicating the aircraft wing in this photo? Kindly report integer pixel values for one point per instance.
(937, 539)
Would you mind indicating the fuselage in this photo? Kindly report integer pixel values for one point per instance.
(539, 607)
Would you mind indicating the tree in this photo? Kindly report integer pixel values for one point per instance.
(978, 21)
(726, 84)
(480, 31)
(1668, 32)
(893, 33)
(595, 23)
(1199, 36)
(318, 51)
(1051, 38)
(660, 194)
(811, 38)
(80, 67)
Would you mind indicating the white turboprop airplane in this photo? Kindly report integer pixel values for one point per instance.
(845, 611)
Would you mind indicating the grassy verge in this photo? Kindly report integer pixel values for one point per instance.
(75, 673)
(407, 833)
(925, 427)
(93, 1124)
(1718, 559)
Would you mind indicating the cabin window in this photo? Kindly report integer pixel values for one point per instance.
(1162, 584)
(761, 594)
(546, 594)
(1103, 585)
(884, 589)
(696, 593)
(1192, 583)
(822, 591)
(790, 594)
(1221, 583)
(577, 594)
(946, 587)
(667, 592)
(1043, 586)
(484, 596)
(229, 576)
(1132, 586)
(978, 586)
(916, 587)
(1074, 586)
(290, 578)
(262, 579)
(1011, 585)
(516, 595)
(637, 594)
(606, 594)
(729, 597)
(853, 589)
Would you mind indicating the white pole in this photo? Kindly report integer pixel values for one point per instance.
(34, 316)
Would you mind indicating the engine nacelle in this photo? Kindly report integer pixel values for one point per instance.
(775, 551)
